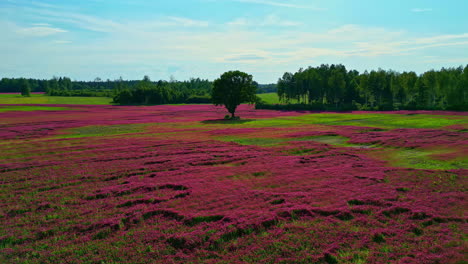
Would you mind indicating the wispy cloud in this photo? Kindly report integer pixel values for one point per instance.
(421, 10)
(187, 22)
(40, 31)
(274, 20)
(239, 22)
(270, 20)
(287, 4)
(49, 16)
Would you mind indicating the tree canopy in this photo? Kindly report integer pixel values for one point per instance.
(333, 87)
(232, 89)
(25, 88)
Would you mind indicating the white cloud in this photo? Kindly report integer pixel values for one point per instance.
(40, 31)
(239, 22)
(273, 20)
(98, 24)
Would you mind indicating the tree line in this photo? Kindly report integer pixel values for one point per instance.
(144, 91)
(164, 92)
(326, 87)
(333, 87)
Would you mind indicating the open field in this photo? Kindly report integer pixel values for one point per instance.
(269, 98)
(175, 184)
(272, 98)
(44, 99)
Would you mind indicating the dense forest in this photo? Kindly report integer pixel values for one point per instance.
(332, 87)
(163, 92)
(326, 87)
(123, 91)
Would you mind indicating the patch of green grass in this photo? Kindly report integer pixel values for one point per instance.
(338, 141)
(44, 99)
(420, 159)
(273, 98)
(96, 131)
(399, 157)
(263, 142)
(358, 256)
(387, 121)
(30, 108)
(269, 98)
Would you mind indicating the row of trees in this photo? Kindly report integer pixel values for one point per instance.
(323, 87)
(333, 86)
(62, 86)
(163, 92)
(146, 91)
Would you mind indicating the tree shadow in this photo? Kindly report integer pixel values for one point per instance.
(226, 121)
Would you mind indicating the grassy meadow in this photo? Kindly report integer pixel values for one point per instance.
(272, 98)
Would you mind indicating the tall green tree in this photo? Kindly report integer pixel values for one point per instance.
(232, 89)
(25, 87)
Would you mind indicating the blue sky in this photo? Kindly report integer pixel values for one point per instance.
(85, 39)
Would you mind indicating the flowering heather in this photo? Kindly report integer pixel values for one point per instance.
(176, 184)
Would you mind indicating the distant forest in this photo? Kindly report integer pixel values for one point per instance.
(326, 87)
(123, 91)
(132, 92)
(332, 87)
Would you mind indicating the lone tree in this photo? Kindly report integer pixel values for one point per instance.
(25, 88)
(232, 89)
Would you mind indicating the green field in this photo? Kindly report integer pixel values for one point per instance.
(374, 120)
(30, 108)
(269, 98)
(44, 99)
(272, 98)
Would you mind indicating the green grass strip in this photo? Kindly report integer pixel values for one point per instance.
(44, 99)
(30, 108)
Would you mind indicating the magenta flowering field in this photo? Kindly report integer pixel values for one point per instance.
(175, 184)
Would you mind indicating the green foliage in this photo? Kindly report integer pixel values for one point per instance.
(195, 91)
(266, 88)
(332, 87)
(378, 238)
(25, 88)
(232, 89)
(147, 92)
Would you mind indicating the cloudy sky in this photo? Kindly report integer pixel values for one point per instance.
(85, 39)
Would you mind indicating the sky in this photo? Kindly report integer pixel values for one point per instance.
(85, 39)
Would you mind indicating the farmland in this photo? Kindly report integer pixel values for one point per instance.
(176, 184)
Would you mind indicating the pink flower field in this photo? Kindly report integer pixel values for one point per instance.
(177, 184)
